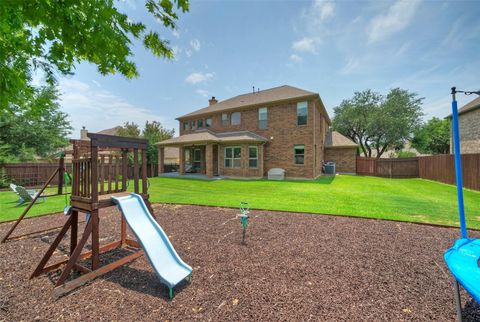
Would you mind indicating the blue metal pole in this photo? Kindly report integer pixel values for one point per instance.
(458, 165)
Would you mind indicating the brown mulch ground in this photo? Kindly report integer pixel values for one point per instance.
(295, 267)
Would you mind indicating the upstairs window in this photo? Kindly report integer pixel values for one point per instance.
(192, 124)
(299, 154)
(236, 118)
(252, 156)
(224, 119)
(200, 123)
(302, 113)
(186, 126)
(262, 118)
(233, 155)
(208, 122)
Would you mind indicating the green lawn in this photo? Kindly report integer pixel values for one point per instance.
(414, 200)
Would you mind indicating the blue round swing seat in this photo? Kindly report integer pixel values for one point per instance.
(463, 262)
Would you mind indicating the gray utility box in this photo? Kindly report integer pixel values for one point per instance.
(329, 168)
(276, 174)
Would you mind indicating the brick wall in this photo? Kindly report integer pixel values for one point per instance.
(469, 132)
(282, 134)
(344, 158)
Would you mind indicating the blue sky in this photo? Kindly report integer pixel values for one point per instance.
(223, 48)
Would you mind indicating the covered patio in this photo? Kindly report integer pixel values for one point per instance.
(231, 154)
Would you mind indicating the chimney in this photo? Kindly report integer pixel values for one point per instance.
(83, 133)
(212, 101)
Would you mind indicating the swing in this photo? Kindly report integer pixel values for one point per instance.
(463, 258)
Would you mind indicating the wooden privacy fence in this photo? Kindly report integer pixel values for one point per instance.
(442, 168)
(436, 167)
(36, 174)
(390, 168)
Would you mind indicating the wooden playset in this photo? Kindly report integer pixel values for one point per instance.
(99, 171)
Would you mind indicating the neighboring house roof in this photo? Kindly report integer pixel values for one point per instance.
(207, 136)
(468, 107)
(171, 153)
(112, 131)
(276, 94)
(337, 140)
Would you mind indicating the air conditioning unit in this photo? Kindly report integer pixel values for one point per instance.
(276, 174)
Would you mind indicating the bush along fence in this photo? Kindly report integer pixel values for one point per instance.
(436, 167)
(36, 174)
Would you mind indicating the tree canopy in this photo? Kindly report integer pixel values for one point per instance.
(37, 127)
(378, 122)
(53, 36)
(153, 132)
(433, 137)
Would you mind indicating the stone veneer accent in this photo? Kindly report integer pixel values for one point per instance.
(469, 123)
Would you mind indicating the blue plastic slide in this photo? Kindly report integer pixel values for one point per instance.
(462, 261)
(170, 268)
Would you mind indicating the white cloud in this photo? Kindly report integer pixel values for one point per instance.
(176, 33)
(322, 10)
(295, 58)
(99, 109)
(306, 44)
(195, 44)
(202, 92)
(398, 17)
(195, 78)
(188, 52)
(96, 83)
(350, 67)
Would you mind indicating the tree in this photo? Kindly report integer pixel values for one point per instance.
(379, 123)
(54, 36)
(129, 129)
(353, 117)
(433, 137)
(153, 132)
(37, 127)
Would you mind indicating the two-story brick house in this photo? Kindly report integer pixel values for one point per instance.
(469, 125)
(247, 135)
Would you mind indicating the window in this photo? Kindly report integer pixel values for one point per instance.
(200, 123)
(197, 155)
(299, 153)
(233, 155)
(208, 122)
(302, 113)
(262, 118)
(224, 119)
(192, 125)
(236, 118)
(252, 156)
(186, 126)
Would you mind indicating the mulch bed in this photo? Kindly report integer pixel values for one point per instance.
(295, 267)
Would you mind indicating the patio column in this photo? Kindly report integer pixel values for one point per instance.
(181, 162)
(161, 160)
(261, 149)
(209, 160)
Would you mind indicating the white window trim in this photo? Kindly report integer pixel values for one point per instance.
(294, 154)
(256, 158)
(266, 119)
(222, 120)
(239, 121)
(232, 158)
(306, 102)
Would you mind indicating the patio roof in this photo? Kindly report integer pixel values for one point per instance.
(337, 140)
(207, 136)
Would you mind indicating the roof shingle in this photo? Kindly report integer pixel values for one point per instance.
(280, 93)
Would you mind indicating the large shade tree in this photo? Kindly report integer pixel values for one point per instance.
(50, 38)
(378, 123)
(53, 36)
(433, 137)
